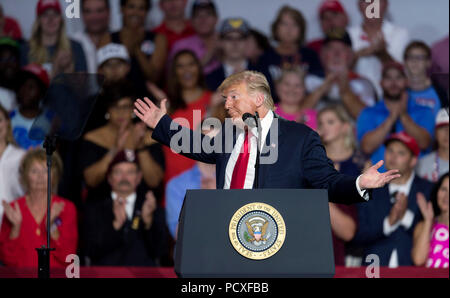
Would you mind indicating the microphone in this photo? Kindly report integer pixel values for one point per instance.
(247, 116)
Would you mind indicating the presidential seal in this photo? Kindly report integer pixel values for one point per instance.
(257, 231)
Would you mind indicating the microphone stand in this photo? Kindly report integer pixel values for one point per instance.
(44, 252)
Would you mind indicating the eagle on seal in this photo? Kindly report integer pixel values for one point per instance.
(257, 232)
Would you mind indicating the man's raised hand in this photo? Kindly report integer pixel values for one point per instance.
(148, 112)
(371, 178)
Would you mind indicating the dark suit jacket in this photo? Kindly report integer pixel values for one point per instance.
(370, 228)
(131, 245)
(301, 161)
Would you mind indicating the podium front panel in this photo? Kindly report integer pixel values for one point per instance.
(204, 248)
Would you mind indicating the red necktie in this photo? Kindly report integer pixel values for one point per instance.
(240, 168)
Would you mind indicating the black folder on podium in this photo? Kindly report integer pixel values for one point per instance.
(205, 248)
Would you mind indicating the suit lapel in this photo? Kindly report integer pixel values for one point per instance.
(277, 124)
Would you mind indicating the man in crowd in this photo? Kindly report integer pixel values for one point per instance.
(32, 87)
(205, 42)
(332, 16)
(126, 228)
(421, 89)
(200, 176)
(340, 84)
(9, 70)
(96, 14)
(233, 38)
(113, 62)
(376, 41)
(387, 222)
(174, 25)
(396, 112)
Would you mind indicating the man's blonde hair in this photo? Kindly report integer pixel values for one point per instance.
(255, 82)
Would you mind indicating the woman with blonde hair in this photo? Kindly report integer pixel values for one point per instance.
(10, 157)
(49, 44)
(24, 224)
(336, 130)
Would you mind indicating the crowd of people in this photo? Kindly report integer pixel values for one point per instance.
(368, 90)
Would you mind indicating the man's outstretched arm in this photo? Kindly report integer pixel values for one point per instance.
(180, 139)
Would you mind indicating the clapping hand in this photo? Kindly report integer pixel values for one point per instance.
(148, 208)
(426, 208)
(120, 215)
(399, 208)
(14, 215)
(56, 210)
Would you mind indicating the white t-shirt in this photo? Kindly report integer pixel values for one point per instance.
(8, 99)
(10, 187)
(360, 86)
(90, 51)
(396, 39)
(431, 167)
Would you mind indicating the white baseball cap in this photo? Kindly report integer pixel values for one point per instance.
(111, 51)
(442, 117)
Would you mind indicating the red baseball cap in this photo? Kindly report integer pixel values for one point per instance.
(406, 139)
(43, 5)
(37, 71)
(331, 5)
(123, 156)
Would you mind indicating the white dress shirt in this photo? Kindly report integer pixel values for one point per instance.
(396, 39)
(406, 221)
(129, 203)
(10, 187)
(266, 123)
(89, 48)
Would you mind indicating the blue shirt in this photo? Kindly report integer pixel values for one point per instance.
(175, 192)
(20, 128)
(426, 98)
(372, 117)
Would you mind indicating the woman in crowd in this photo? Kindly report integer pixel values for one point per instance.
(10, 157)
(291, 93)
(289, 31)
(147, 50)
(24, 222)
(49, 44)
(186, 93)
(338, 136)
(431, 242)
(337, 133)
(99, 146)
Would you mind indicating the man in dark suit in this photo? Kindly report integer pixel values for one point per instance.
(387, 222)
(296, 157)
(126, 228)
